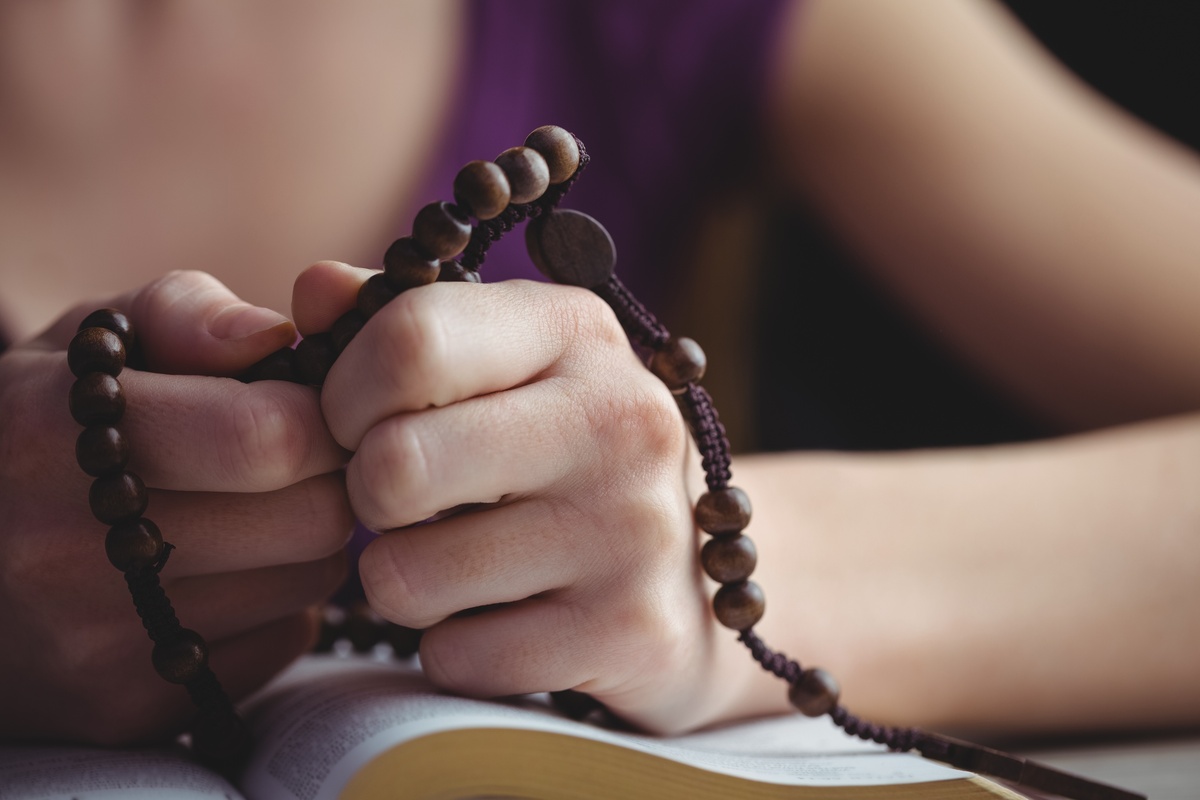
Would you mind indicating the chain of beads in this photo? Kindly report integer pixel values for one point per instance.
(134, 544)
(523, 183)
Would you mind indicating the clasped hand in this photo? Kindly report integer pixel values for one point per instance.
(571, 561)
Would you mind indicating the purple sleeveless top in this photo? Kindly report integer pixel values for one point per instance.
(665, 94)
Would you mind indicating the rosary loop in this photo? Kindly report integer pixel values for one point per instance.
(449, 242)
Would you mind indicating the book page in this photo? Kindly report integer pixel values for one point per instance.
(90, 773)
(321, 722)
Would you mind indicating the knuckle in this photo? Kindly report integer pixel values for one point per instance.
(586, 317)
(414, 343)
(644, 423)
(392, 581)
(388, 474)
(267, 440)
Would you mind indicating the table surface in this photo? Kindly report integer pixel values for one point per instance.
(1163, 767)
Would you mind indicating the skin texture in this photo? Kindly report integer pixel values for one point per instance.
(1033, 587)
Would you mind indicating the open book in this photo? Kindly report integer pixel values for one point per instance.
(358, 728)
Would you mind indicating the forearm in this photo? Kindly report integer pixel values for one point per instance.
(1035, 228)
(1032, 587)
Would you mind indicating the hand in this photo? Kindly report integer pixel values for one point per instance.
(574, 563)
(244, 480)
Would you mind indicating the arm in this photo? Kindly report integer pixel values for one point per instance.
(1046, 236)
(1039, 587)
(1037, 229)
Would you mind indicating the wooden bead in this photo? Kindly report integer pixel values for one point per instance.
(559, 148)
(527, 172)
(404, 641)
(815, 693)
(481, 189)
(374, 295)
(96, 350)
(101, 450)
(678, 363)
(442, 230)
(97, 398)
(572, 248)
(407, 265)
(135, 544)
(454, 272)
(730, 558)
(739, 605)
(279, 366)
(119, 497)
(181, 659)
(314, 356)
(723, 511)
(346, 328)
(114, 320)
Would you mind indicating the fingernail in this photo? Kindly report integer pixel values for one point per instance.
(238, 322)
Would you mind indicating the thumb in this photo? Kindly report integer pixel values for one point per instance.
(191, 323)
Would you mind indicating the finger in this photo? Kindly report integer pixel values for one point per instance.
(421, 575)
(411, 466)
(190, 323)
(206, 434)
(324, 292)
(225, 605)
(440, 344)
(225, 532)
(537, 645)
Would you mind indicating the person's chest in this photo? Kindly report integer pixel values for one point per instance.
(245, 141)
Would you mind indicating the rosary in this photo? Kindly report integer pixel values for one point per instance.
(569, 247)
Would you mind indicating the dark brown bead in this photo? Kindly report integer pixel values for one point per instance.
(481, 189)
(114, 320)
(815, 693)
(96, 350)
(101, 450)
(346, 328)
(729, 558)
(374, 295)
(572, 248)
(407, 265)
(97, 398)
(314, 356)
(364, 628)
(559, 148)
(527, 172)
(404, 641)
(182, 658)
(454, 272)
(135, 544)
(442, 230)
(279, 366)
(723, 511)
(678, 363)
(739, 605)
(118, 497)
